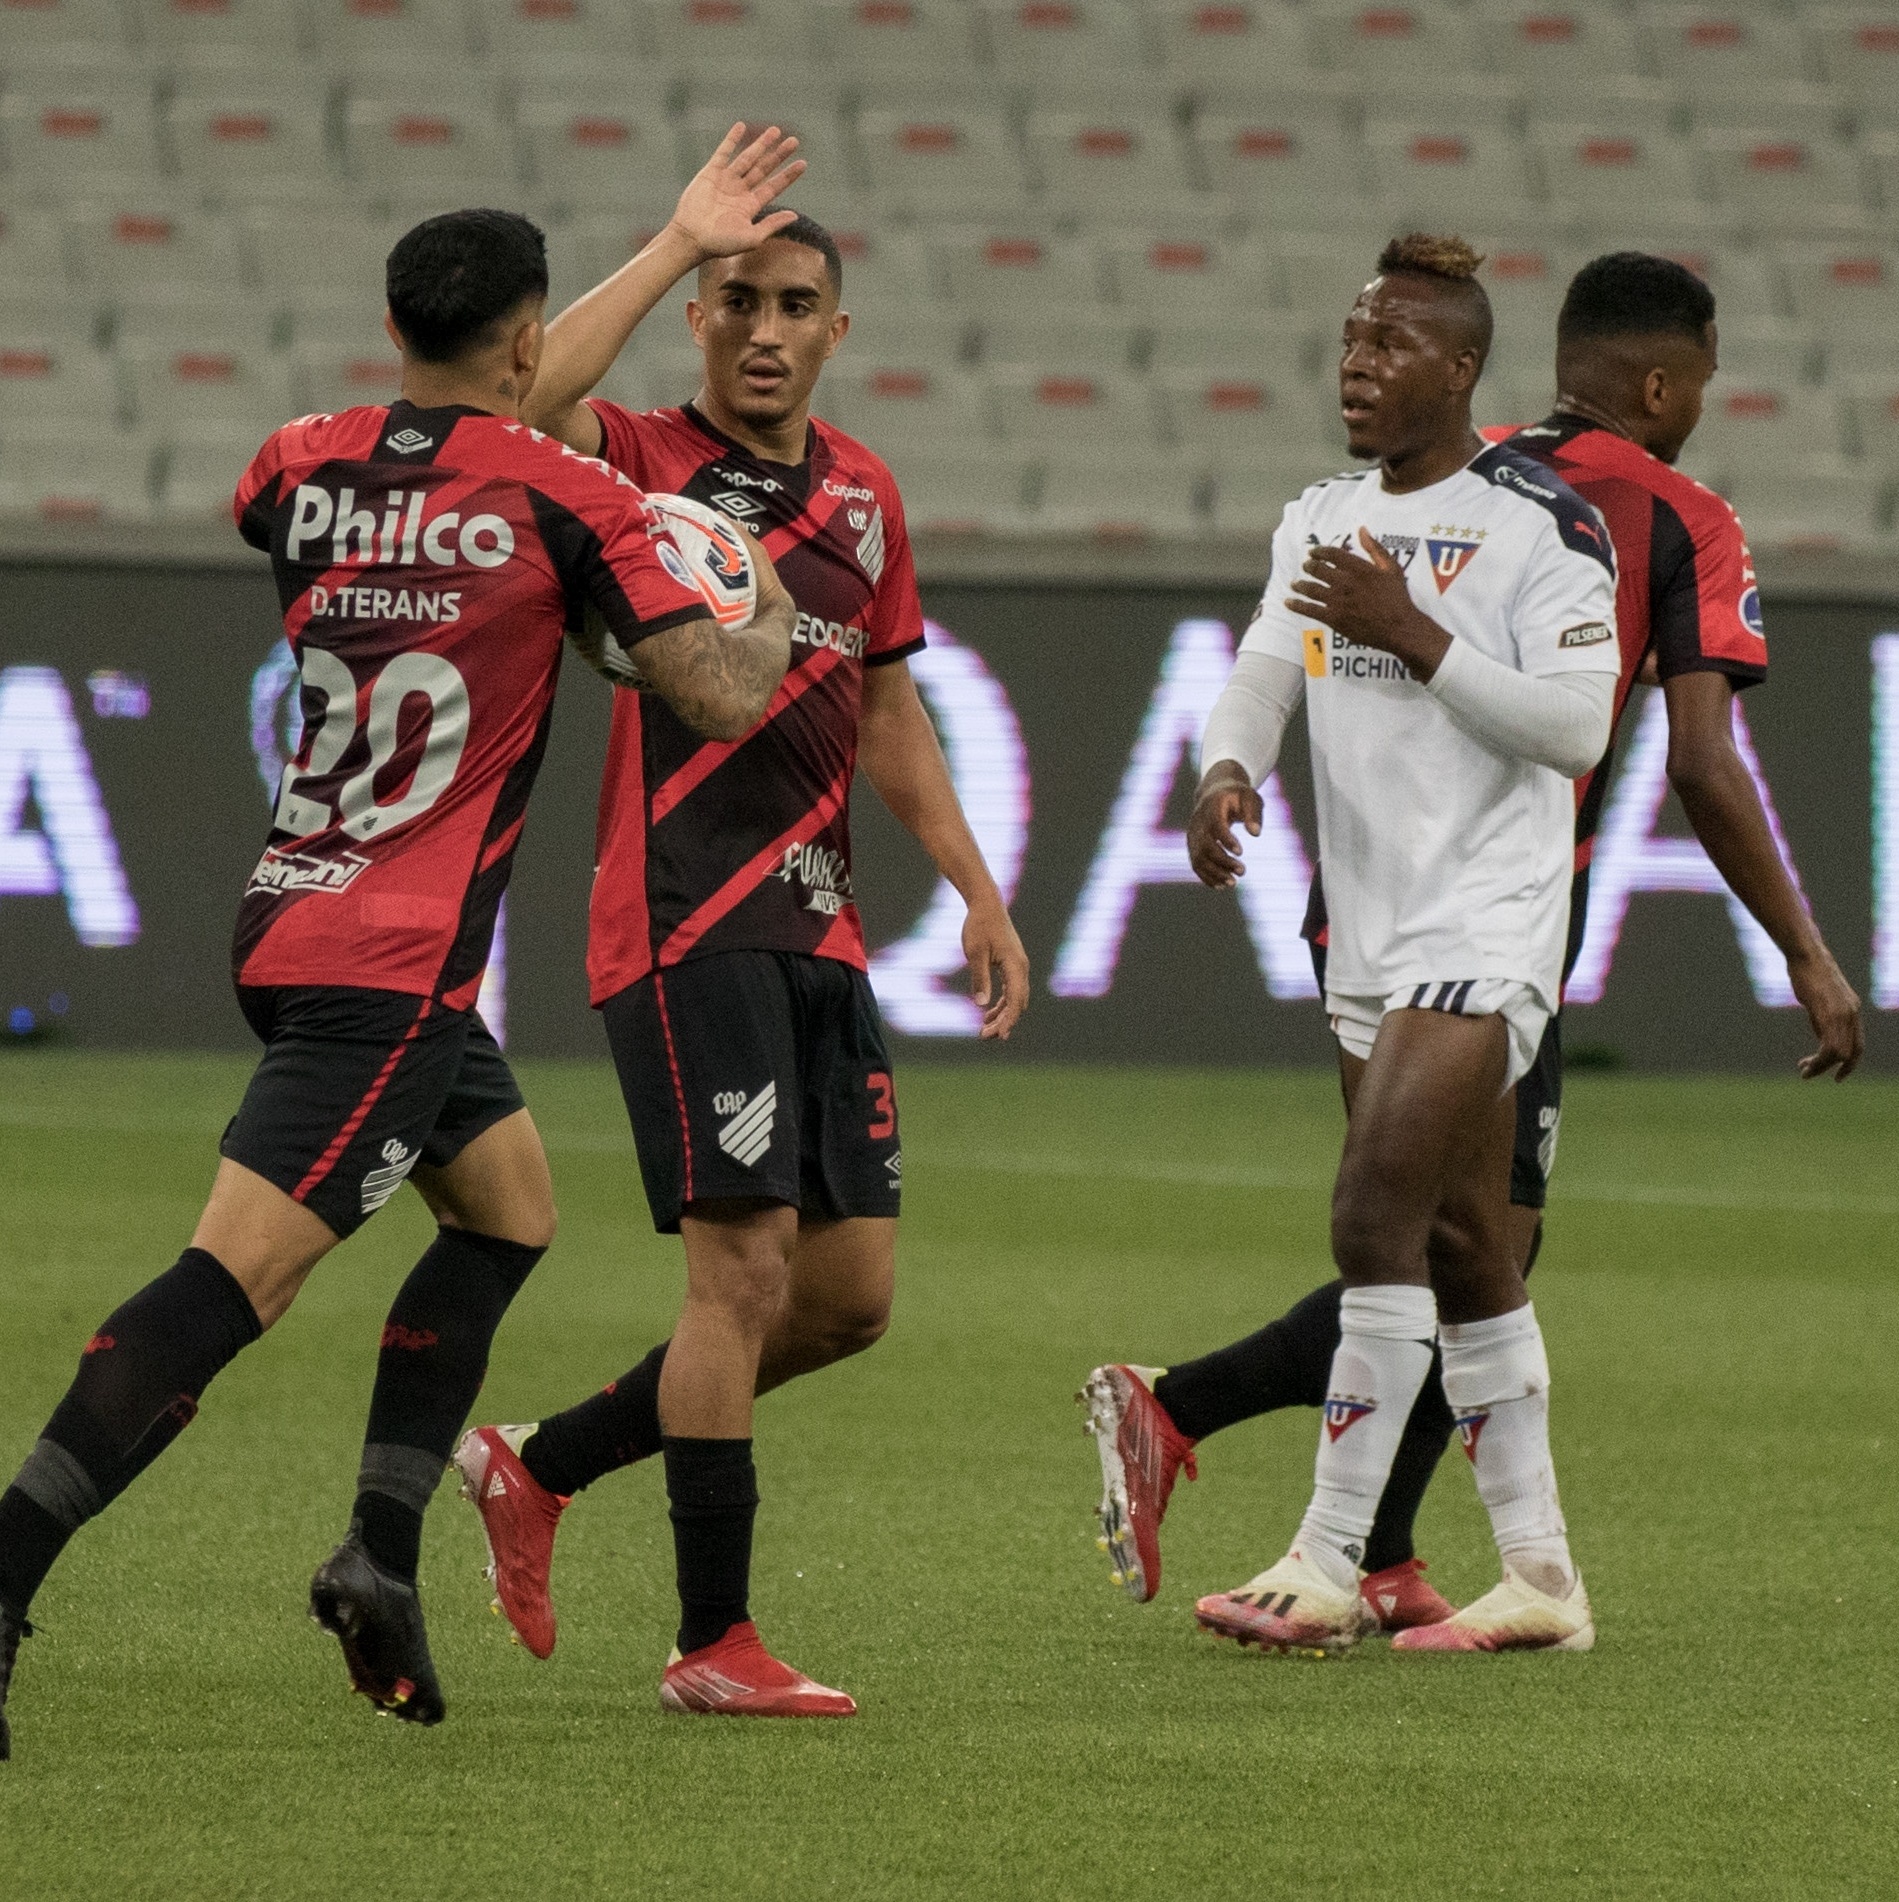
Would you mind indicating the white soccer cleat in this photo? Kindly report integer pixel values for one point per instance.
(1294, 1607)
(1511, 1616)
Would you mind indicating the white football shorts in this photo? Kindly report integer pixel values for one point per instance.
(1355, 1020)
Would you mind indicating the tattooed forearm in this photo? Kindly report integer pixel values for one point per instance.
(720, 683)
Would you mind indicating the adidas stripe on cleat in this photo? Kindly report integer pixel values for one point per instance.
(378, 1621)
(738, 1677)
(1293, 1608)
(1511, 1616)
(1142, 1455)
(519, 1518)
(1400, 1598)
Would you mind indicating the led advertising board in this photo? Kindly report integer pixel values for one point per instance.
(147, 716)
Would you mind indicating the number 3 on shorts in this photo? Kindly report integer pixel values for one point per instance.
(884, 1123)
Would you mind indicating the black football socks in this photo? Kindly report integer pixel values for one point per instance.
(434, 1354)
(713, 1491)
(139, 1382)
(608, 1430)
(1288, 1363)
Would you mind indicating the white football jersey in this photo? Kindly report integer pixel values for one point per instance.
(1442, 857)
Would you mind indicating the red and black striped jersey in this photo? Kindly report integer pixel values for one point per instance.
(745, 845)
(1685, 590)
(428, 563)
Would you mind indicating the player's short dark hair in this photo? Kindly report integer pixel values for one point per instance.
(452, 279)
(1634, 294)
(814, 237)
(1452, 263)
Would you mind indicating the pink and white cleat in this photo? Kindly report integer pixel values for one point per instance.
(1142, 1454)
(519, 1518)
(1293, 1608)
(738, 1677)
(1512, 1616)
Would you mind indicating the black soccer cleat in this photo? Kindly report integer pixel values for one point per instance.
(12, 1629)
(378, 1621)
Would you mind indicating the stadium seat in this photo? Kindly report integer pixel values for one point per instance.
(1859, 54)
(411, 149)
(1320, 274)
(958, 490)
(130, 249)
(32, 253)
(541, 40)
(1049, 406)
(896, 39)
(1092, 496)
(830, 192)
(43, 378)
(1759, 426)
(1747, 284)
(259, 33)
(236, 387)
(1123, 164)
(1231, 418)
(1880, 155)
(252, 140)
(1526, 285)
(200, 465)
(1291, 168)
(320, 262)
(42, 317)
(1249, 499)
(1874, 400)
(745, 43)
(958, 163)
(1817, 505)
(1098, 340)
(58, 23)
(1241, 53)
(592, 156)
(1056, 48)
(1734, 50)
(367, 37)
(1429, 175)
(53, 474)
(1850, 296)
(190, 317)
(331, 376)
(1407, 44)
(1015, 273)
(1613, 177)
(1557, 52)
(895, 406)
(76, 133)
(1248, 343)
(1165, 276)
(1786, 186)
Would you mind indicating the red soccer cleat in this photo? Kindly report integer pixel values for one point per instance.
(1402, 1600)
(738, 1677)
(519, 1518)
(1142, 1454)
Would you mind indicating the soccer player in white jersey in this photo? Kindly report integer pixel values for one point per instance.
(1449, 618)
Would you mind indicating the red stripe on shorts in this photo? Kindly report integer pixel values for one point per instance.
(679, 1086)
(344, 1136)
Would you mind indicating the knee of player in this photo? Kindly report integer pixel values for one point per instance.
(1451, 1246)
(1362, 1240)
(857, 1328)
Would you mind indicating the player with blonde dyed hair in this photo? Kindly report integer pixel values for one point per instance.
(1449, 619)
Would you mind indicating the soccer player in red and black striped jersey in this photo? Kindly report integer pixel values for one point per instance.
(429, 556)
(726, 953)
(1636, 345)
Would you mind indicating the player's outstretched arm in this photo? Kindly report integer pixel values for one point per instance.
(1717, 793)
(720, 683)
(900, 755)
(721, 213)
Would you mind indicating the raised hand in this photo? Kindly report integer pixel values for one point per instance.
(722, 212)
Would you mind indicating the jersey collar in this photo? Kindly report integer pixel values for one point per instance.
(796, 476)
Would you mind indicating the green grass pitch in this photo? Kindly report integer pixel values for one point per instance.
(1720, 1294)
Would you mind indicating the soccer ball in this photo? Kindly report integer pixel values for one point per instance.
(699, 548)
(713, 554)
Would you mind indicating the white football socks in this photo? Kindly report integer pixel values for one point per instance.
(1383, 1356)
(1497, 1380)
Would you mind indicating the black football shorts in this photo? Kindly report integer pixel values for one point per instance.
(358, 1086)
(1539, 1107)
(758, 1074)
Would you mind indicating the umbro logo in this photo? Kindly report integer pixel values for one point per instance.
(405, 442)
(748, 1135)
(743, 506)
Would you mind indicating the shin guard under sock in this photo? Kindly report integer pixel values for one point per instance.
(608, 1430)
(434, 1354)
(713, 1490)
(138, 1386)
(1288, 1363)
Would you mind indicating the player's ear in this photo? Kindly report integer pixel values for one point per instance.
(1655, 391)
(1466, 367)
(389, 326)
(840, 329)
(696, 321)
